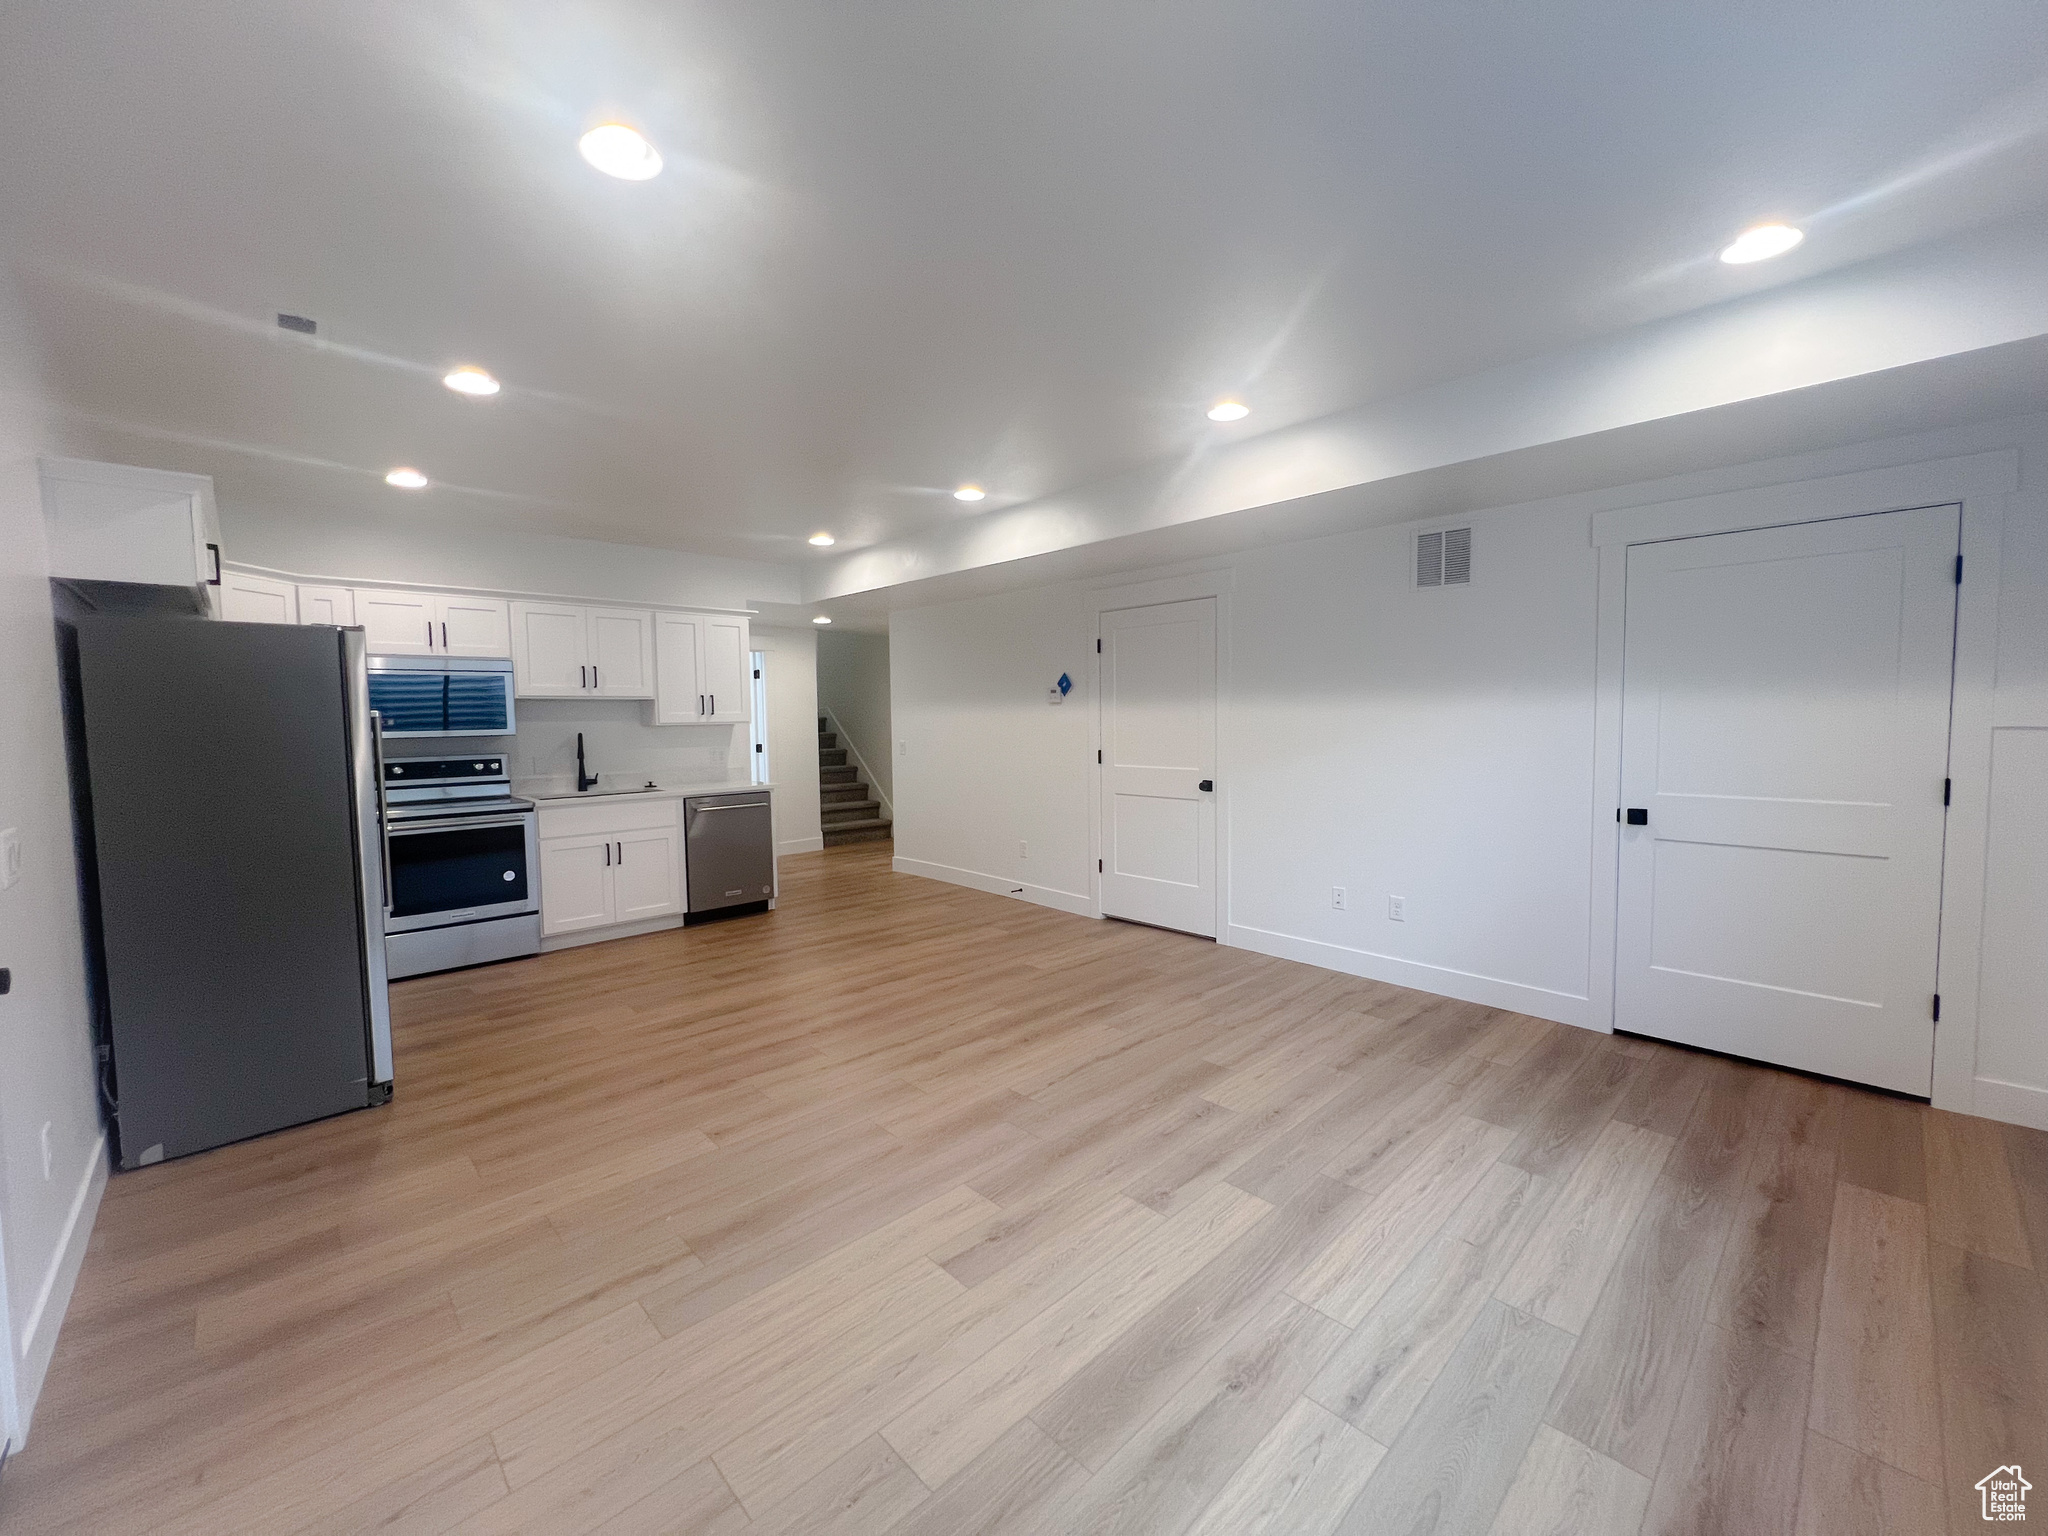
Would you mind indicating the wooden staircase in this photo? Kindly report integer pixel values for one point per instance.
(848, 812)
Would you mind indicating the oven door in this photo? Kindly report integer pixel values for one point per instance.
(461, 870)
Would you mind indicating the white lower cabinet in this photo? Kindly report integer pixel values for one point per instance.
(603, 864)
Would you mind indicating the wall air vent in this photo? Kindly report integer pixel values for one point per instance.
(1443, 558)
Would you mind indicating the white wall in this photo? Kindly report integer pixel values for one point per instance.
(616, 739)
(791, 657)
(1433, 745)
(46, 1075)
(853, 687)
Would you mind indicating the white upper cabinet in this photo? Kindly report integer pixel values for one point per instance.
(622, 653)
(115, 522)
(251, 599)
(563, 651)
(728, 685)
(432, 623)
(326, 605)
(396, 623)
(678, 669)
(472, 626)
(702, 670)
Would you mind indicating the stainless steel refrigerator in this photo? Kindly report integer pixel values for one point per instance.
(225, 781)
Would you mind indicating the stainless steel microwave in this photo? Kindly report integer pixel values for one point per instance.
(443, 695)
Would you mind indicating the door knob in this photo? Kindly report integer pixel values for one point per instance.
(1206, 786)
(1638, 816)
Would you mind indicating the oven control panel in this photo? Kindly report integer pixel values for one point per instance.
(442, 770)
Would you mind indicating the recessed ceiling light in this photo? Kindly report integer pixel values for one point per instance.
(969, 493)
(822, 540)
(406, 479)
(1761, 243)
(1229, 410)
(821, 619)
(471, 381)
(618, 151)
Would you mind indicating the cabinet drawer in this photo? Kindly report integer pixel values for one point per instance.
(621, 813)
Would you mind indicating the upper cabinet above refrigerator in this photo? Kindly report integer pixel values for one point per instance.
(143, 530)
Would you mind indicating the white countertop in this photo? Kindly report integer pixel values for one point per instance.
(545, 792)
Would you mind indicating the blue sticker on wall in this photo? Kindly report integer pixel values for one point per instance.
(1066, 685)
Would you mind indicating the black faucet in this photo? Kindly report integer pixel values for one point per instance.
(584, 780)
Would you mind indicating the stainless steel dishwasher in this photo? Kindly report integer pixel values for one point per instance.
(728, 851)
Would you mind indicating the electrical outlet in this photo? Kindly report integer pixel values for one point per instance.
(1023, 849)
(10, 857)
(903, 749)
(46, 1149)
(1338, 900)
(1397, 909)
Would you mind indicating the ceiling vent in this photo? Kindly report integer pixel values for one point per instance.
(298, 323)
(1443, 558)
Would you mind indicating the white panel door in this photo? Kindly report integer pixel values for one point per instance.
(327, 605)
(728, 689)
(1785, 706)
(1158, 673)
(247, 599)
(575, 883)
(622, 653)
(550, 651)
(396, 623)
(644, 875)
(472, 626)
(678, 670)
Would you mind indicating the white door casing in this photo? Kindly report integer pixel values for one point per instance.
(1158, 728)
(1784, 724)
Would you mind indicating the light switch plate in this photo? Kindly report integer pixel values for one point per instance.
(10, 857)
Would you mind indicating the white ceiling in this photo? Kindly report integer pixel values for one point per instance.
(902, 245)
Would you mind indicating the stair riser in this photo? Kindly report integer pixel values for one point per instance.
(828, 793)
(834, 815)
(832, 757)
(840, 776)
(865, 835)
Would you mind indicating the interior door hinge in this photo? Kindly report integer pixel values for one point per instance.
(1098, 866)
(1947, 788)
(1098, 754)
(1959, 570)
(1937, 1007)
(1098, 639)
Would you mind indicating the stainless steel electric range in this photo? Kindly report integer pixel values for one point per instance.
(462, 882)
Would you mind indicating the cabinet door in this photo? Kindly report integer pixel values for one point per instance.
(247, 599)
(728, 687)
(548, 656)
(622, 651)
(678, 674)
(575, 883)
(472, 626)
(327, 605)
(644, 875)
(396, 623)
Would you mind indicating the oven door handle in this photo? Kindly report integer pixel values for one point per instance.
(457, 824)
(383, 805)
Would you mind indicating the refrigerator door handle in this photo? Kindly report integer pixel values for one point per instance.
(373, 848)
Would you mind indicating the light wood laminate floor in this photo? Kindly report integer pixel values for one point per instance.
(913, 1209)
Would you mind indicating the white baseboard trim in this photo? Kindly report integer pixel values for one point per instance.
(1466, 986)
(618, 931)
(2014, 1103)
(800, 845)
(46, 1317)
(1044, 896)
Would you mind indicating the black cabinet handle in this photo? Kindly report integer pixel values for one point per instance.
(1207, 786)
(1638, 816)
(607, 855)
(714, 704)
(214, 579)
(444, 637)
